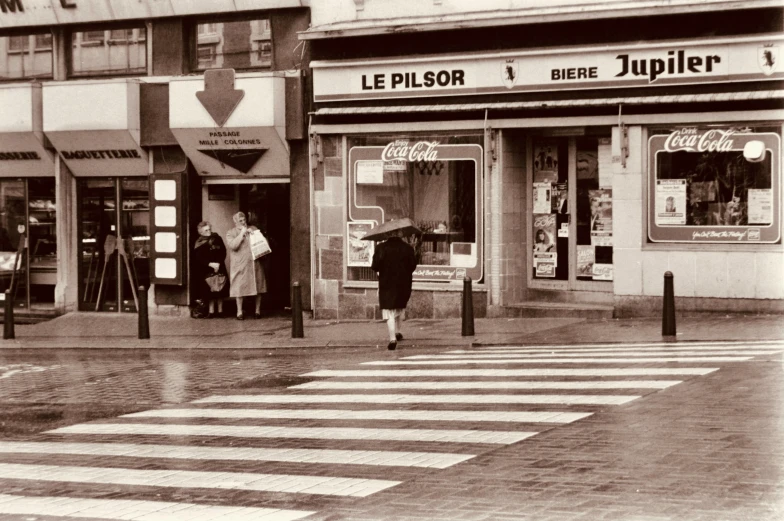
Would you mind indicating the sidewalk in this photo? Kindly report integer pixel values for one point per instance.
(103, 330)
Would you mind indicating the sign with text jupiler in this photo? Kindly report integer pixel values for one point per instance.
(666, 63)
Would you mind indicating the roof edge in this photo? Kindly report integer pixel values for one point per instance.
(479, 19)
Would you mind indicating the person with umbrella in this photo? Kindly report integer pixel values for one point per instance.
(394, 261)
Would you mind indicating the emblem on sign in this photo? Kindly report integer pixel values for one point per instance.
(509, 73)
(768, 58)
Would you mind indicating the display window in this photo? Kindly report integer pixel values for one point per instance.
(114, 251)
(28, 240)
(434, 180)
(714, 185)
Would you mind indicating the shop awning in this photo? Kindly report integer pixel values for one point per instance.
(719, 97)
(94, 126)
(540, 12)
(231, 128)
(22, 151)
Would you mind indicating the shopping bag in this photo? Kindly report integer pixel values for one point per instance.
(259, 246)
(216, 282)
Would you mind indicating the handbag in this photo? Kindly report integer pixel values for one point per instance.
(216, 282)
(259, 246)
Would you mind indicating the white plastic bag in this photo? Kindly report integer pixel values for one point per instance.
(259, 246)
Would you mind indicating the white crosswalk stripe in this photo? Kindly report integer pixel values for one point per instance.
(575, 380)
(194, 479)
(342, 414)
(438, 460)
(573, 354)
(448, 373)
(320, 433)
(508, 361)
(85, 508)
(479, 385)
(564, 399)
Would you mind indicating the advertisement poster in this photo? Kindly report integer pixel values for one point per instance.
(560, 196)
(760, 206)
(602, 272)
(545, 264)
(670, 201)
(601, 216)
(542, 197)
(360, 253)
(370, 172)
(544, 232)
(546, 163)
(585, 260)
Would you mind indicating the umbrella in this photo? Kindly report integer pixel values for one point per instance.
(390, 228)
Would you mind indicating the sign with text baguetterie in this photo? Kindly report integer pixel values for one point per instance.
(668, 63)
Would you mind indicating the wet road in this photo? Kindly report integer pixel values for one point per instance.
(622, 432)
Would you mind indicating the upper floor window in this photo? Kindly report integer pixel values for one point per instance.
(26, 56)
(116, 51)
(244, 44)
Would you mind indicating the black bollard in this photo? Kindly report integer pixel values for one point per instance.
(296, 312)
(468, 308)
(144, 320)
(8, 317)
(668, 309)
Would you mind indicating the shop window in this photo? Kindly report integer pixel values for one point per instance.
(27, 211)
(433, 180)
(26, 56)
(717, 185)
(118, 51)
(242, 44)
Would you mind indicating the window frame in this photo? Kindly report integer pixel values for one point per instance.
(746, 234)
(438, 274)
(136, 34)
(215, 39)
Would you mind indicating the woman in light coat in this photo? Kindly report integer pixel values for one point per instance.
(246, 275)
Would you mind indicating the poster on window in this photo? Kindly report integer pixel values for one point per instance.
(544, 232)
(360, 252)
(602, 271)
(670, 201)
(560, 196)
(542, 197)
(760, 206)
(370, 172)
(545, 264)
(585, 260)
(546, 162)
(601, 216)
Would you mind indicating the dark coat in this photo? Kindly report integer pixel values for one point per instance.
(394, 261)
(212, 250)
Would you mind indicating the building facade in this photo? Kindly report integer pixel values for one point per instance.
(125, 124)
(563, 155)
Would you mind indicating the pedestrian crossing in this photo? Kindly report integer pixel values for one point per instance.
(346, 435)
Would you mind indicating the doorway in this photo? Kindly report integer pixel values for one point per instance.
(114, 245)
(267, 207)
(570, 211)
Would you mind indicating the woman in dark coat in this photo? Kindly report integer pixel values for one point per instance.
(209, 254)
(394, 261)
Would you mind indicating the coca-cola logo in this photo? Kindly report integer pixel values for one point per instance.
(691, 140)
(405, 150)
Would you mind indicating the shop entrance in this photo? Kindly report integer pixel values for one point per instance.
(266, 206)
(570, 206)
(114, 246)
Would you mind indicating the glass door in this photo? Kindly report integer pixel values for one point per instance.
(571, 213)
(115, 242)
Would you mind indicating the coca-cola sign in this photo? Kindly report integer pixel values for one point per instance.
(402, 149)
(693, 140)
